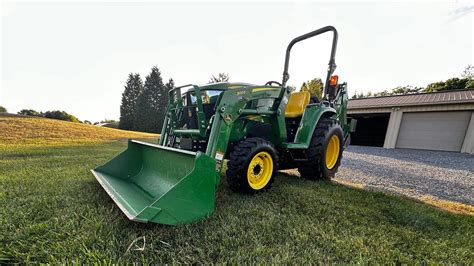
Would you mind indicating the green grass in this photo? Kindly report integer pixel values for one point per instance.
(53, 210)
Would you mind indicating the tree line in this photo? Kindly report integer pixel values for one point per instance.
(62, 115)
(56, 114)
(316, 85)
(465, 82)
(144, 104)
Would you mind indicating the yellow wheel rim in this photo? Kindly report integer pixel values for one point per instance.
(260, 170)
(332, 152)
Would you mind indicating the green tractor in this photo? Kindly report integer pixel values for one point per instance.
(258, 129)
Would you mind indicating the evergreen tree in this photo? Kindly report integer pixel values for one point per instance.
(133, 89)
(148, 103)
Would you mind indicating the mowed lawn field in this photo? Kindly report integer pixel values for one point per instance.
(53, 210)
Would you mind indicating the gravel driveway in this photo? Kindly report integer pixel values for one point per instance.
(415, 173)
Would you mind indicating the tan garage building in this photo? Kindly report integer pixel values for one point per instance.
(430, 121)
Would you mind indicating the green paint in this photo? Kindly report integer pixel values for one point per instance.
(149, 186)
(169, 185)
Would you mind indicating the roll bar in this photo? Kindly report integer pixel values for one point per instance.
(332, 62)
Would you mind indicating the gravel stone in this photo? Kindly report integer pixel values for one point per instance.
(414, 173)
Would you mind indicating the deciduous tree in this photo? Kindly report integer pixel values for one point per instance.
(468, 72)
(60, 115)
(314, 86)
(221, 77)
(450, 84)
(30, 112)
(401, 90)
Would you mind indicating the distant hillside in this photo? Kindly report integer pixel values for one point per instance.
(20, 130)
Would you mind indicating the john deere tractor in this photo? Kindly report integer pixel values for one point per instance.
(259, 129)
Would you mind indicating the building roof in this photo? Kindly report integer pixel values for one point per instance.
(444, 97)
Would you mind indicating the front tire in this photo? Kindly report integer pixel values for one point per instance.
(324, 152)
(252, 165)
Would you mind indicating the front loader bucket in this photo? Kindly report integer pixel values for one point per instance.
(152, 183)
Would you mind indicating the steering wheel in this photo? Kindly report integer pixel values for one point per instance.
(271, 82)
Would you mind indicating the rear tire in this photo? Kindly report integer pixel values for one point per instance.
(252, 165)
(324, 152)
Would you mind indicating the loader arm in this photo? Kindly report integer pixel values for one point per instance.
(175, 181)
(232, 106)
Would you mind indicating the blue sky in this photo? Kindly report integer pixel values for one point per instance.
(76, 56)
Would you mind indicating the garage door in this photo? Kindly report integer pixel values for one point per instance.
(433, 130)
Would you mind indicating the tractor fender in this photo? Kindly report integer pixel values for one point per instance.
(310, 119)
